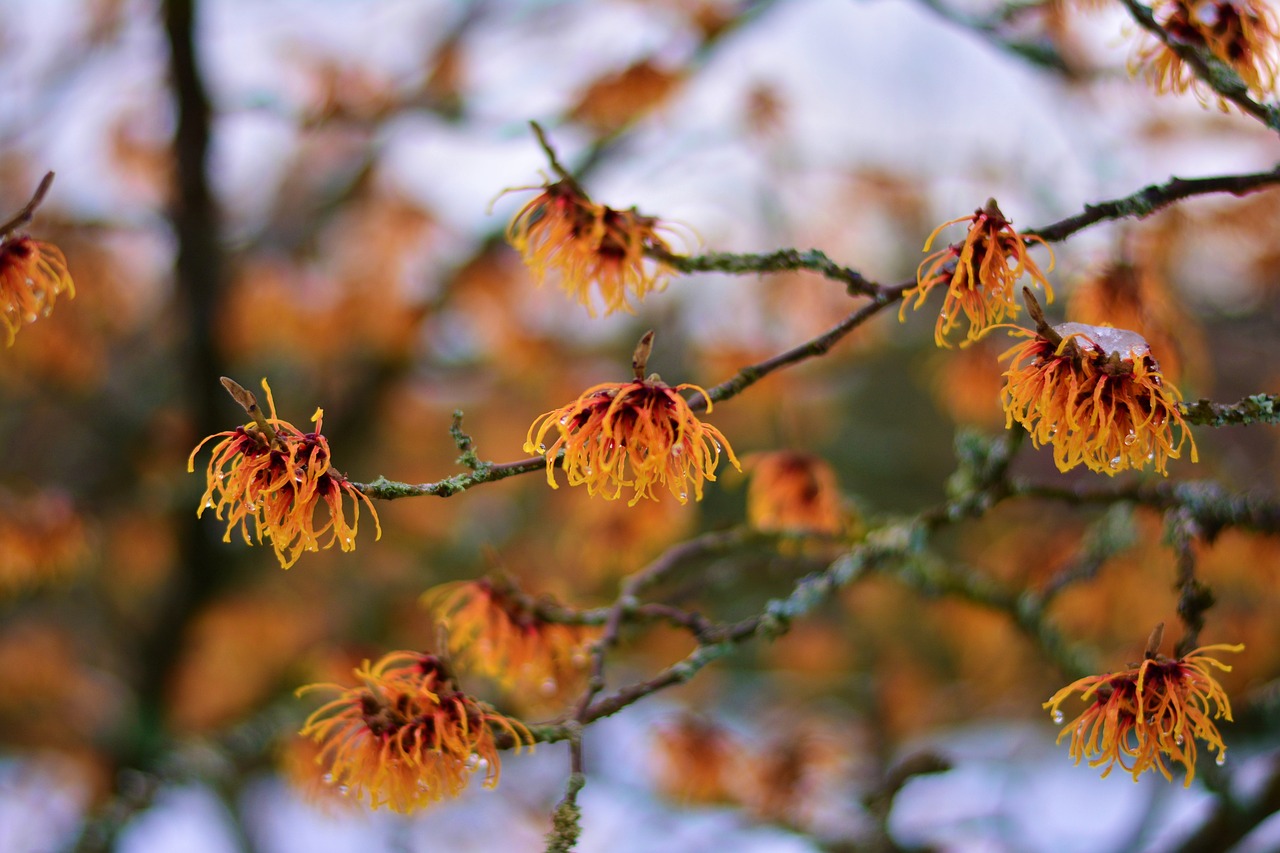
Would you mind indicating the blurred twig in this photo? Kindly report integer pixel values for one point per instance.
(1212, 506)
(990, 28)
(1194, 596)
(22, 217)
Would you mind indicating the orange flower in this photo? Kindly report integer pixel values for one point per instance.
(1240, 33)
(296, 759)
(793, 492)
(1096, 394)
(589, 244)
(407, 737)
(495, 632)
(275, 474)
(32, 275)
(1150, 711)
(980, 274)
(638, 434)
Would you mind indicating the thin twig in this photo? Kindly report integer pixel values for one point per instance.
(22, 217)
(564, 174)
(1150, 199)
(249, 403)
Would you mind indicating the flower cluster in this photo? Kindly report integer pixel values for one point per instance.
(274, 474)
(1149, 712)
(496, 632)
(32, 276)
(588, 244)
(980, 274)
(639, 435)
(1097, 396)
(406, 737)
(1242, 34)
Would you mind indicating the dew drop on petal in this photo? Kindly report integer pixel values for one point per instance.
(1057, 716)
(1222, 759)
(1130, 439)
(1179, 740)
(1115, 462)
(542, 448)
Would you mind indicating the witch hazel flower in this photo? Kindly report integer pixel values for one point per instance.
(1096, 395)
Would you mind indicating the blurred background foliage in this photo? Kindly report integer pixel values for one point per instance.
(307, 202)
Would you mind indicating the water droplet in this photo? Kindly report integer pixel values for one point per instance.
(343, 789)
(328, 778)
(1130, 439)
(1222, 759)
(542, 448)
(208, 504)
(684, 496)
(1179, 740)
(1115, 462)
(1151, 721)
(30, 316)
(1058, 716)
